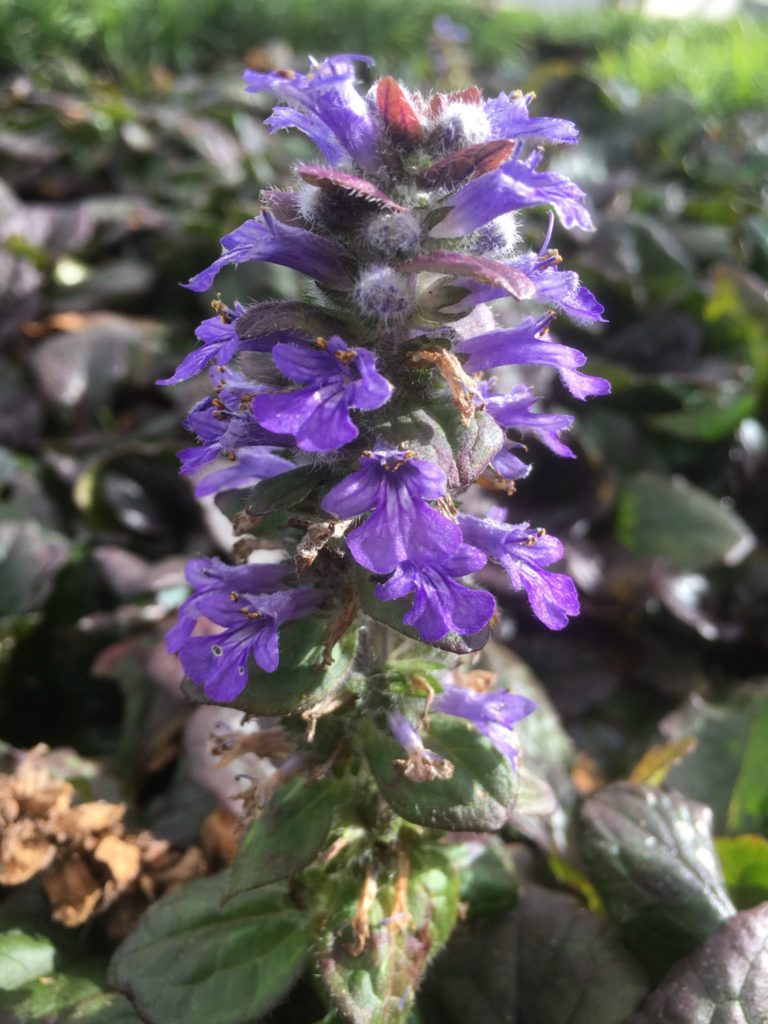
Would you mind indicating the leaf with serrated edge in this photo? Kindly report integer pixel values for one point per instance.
(193, 960)
(651, 857)
(551, 961)
(476, 798)
(288, 835)
(724, 981)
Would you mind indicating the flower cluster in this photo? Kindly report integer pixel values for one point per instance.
(373, 394)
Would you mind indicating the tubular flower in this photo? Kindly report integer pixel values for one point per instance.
(359, 418)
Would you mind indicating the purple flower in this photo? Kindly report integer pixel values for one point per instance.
(507, 465)
(337, 377)
(223, 430)
(403, 527)
(250, 623)
(509, 119)
(247, 468)
(331, 110)
(529, 344)
(513, 186)
(441, 605)
(211, 575)
(513, 411)
(220, 344)
(523, 552)
(268, 239)
(493, 714)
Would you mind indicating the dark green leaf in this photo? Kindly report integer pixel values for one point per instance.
(651, 858)
(39, 980)
(487, 874)
(688, 528)
(550, 962)
(724, 981)
(476, 798)
(289, 834)
(744, 860)
(285, 491)
(707, 421)
(729, 765)
(378, 985)
(193, 960)
(300, 681)
(30, 557)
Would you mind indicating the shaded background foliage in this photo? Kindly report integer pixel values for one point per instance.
(128, 146)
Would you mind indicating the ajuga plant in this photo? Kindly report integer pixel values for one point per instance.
(352, 425)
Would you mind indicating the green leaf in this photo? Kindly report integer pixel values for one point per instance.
(476, 798)
(378, 985)
(104, 1008)
(299, 682)
(729, 767)
(707, 421)
(744, 860)
(285, 491)
(721, 982)
(651, 857)
(487, 874)
(193, 960)
(669, 518)
(289, 834)
(550, 962)
(39, 980)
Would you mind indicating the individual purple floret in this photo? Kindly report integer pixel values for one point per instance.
(494, 713)
(403, 527)
(441, 604)
(509, 119)
(222, 431)
(209, 575)
(338, 378)
(513, 186)
(331, 110)
(270, 240)
(524, 552)
(250, 610)
(220, 343)
(529, 344)
(512, 410)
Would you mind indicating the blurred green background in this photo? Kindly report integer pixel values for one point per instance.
(128, 147)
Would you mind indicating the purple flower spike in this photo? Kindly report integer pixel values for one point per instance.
(338, 378)
(493, 714)
(513, 411)
(331, 110)
(523, 552)
(440, 604)
(509, 119)
(513, 186)
(268, 239)
(250, 623)
(403, 527)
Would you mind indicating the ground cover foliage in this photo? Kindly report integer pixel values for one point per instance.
(635, 889)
